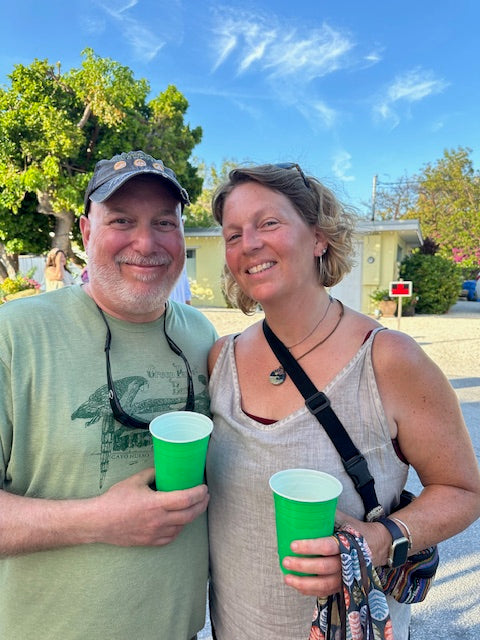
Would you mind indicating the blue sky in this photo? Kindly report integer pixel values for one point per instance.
(348, 89)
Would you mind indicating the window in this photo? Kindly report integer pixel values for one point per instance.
(192, 264)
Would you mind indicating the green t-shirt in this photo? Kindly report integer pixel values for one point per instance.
(58, 439)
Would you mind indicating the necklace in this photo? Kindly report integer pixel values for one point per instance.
(278, 375)
(330, 300)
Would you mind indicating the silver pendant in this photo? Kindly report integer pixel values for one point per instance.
(278, 376)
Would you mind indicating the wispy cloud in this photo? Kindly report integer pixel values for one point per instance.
(269, 46)
(144, 41)
(317, 112)
(287, 59)
(373, 57)
(410, 87)
(341, 165)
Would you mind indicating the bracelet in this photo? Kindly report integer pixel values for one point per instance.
(409, 535)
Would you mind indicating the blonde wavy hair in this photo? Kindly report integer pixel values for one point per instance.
(314, 203)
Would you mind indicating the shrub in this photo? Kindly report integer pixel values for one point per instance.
(435, 279)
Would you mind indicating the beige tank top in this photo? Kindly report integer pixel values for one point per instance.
(248, 598)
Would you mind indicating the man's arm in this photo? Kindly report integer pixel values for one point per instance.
(128, 514)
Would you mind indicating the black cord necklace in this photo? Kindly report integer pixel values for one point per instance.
(117, 410)
(278, 375)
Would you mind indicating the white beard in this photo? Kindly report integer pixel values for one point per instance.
(125, 295)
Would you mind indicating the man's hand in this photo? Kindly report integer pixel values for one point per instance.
(130, 513)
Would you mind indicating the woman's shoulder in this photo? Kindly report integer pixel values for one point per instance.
(398, 354)
(217, 348)
(388, 345)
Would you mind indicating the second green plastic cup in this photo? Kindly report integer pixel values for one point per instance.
(305, 504)
(180, 442)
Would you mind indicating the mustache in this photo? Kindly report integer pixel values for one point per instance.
(143, 261)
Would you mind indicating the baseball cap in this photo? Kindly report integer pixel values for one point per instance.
(110, 175)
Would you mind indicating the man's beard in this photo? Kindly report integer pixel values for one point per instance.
(131, 299)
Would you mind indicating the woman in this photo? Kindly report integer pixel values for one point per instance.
(57, 274)
(286, 239)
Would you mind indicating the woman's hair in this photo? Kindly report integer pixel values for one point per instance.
(52, 255)
(314, 203)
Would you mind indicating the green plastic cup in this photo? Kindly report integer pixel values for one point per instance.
(180, 442)
(305, 504)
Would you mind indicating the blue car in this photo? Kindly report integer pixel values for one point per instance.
(468, 287)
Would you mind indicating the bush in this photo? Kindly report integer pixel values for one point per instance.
(435, 279)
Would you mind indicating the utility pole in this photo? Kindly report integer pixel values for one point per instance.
(374, 196)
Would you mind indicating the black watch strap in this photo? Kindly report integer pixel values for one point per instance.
(399, 549)
(393, 528)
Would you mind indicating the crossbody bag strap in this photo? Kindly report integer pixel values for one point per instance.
(318, 404)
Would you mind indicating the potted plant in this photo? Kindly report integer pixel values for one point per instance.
(408, 305)
(18, 287)
(385, 304)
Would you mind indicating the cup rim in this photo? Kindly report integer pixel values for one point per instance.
(312, 472)
(206, 420)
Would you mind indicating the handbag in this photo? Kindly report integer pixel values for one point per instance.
(410, 582)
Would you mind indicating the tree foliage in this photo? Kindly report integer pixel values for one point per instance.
(200, 213)
(448, 206)
(55, 126)
(394, 201)
(445, 198)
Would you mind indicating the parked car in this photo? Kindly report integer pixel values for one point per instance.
(468, 289)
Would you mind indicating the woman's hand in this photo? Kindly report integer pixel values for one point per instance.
(326, 567)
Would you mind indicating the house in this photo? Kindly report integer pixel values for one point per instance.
(380, 247)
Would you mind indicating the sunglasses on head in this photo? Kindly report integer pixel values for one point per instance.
(294, 165)
(117, 410)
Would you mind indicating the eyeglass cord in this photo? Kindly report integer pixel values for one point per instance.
(118, 412)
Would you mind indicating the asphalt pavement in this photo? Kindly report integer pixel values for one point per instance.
(452, 607)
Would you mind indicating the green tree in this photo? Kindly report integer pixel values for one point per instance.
(200, 213)
(26, 231)
(445, 198)
(448, 206)
(55, 126)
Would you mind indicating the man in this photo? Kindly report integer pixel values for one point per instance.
(182, 292)
(88, 549)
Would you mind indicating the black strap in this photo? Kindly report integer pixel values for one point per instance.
(319, 405)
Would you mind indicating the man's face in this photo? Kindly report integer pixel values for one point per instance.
(136, 249)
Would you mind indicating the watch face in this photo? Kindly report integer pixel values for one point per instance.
(398, 552)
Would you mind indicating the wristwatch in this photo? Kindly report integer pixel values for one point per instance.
(399, 550)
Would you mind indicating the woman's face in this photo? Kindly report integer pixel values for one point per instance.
(269, 249)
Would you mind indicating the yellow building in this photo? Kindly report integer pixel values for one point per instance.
(380, 247)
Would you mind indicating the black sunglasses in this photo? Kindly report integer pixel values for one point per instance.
(118, 413)
(294, 165)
